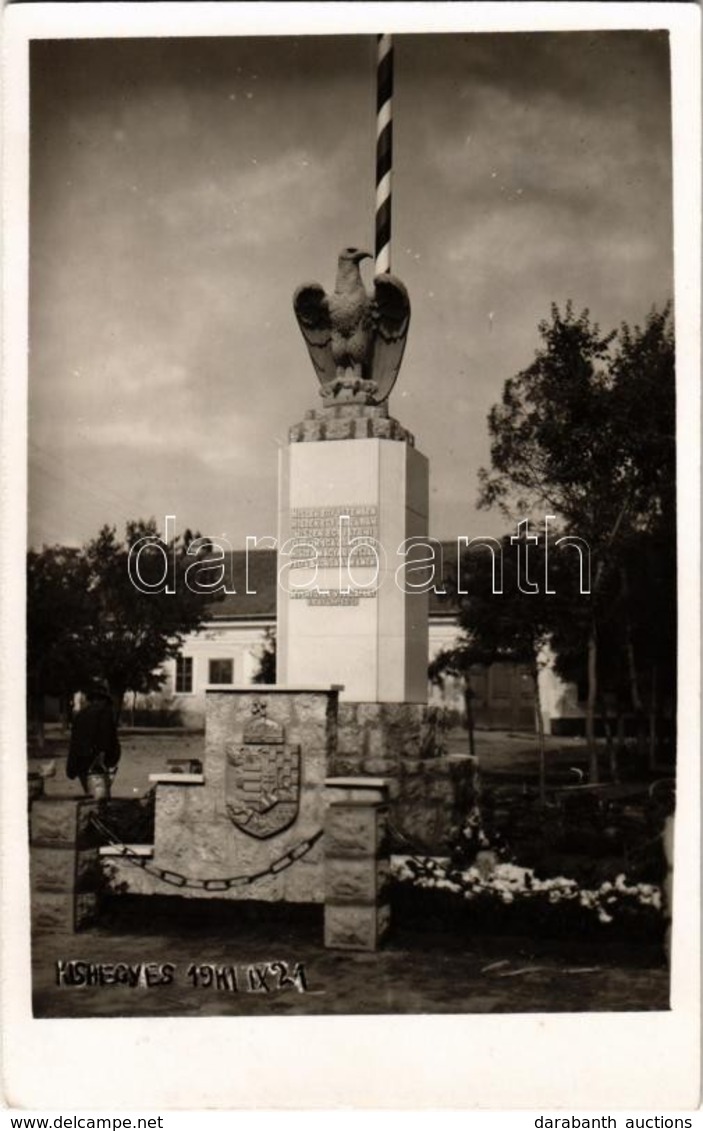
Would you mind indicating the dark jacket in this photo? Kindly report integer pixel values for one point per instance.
(93, 734)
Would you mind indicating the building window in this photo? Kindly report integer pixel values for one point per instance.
(221, 671)
(184, 674)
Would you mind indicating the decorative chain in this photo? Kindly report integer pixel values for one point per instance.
(177, 879)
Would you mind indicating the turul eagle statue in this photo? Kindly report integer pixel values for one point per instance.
(355, 339)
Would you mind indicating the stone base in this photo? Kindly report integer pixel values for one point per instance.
(356, 928)
(434, 798)
(200, 830)
(64, 864)
(392, 750)
(349, 422)
(65, 869)
(374, 738)
(357, 866)
(63, 912)
(355, 830)
(356, 881)
(431, 793)
(64, 821)
(347, 612)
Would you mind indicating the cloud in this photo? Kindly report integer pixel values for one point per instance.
(549, 148)
(172, 218)
(256, 204)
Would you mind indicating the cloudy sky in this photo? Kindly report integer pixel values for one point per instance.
(182, 189)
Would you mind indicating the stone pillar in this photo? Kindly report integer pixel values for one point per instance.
(357, 866)
(64, 863)
(342, 620)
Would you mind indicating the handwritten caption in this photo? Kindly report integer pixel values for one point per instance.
(254, 978)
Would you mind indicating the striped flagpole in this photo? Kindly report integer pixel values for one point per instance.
(384, 152)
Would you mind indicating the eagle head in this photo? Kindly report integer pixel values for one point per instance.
(353, 255)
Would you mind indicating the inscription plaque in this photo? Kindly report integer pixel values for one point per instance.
(333, 596)
(335, 533)
(340, 536)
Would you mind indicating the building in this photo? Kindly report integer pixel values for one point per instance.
(227, 652)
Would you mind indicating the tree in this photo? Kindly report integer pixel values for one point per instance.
(644, 411)
(58, 616)
(586, 432)
(505, 614)
(636, 642)
(266, 671)
(91, 616)
(456, 663)
(134, 631)
(550, 433)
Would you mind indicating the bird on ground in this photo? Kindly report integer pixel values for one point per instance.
(351, 333)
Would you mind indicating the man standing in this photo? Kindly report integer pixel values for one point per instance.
(94, 749)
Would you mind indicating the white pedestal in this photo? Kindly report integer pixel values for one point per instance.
(373, 638)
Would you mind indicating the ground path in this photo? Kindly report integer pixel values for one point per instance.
(416, 972)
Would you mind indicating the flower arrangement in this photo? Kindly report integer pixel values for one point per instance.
(491, 882)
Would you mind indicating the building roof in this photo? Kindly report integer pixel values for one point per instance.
(260, 581)
(261, 575)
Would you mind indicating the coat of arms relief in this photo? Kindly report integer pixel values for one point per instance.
(262, 777)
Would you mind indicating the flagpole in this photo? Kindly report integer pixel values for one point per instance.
(384, 151)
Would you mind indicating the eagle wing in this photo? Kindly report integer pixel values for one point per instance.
(391, 320)
(312, 311)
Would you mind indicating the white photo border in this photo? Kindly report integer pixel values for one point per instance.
(610, 1061)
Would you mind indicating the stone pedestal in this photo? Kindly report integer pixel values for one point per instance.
(346, 615)
(357, 864)
(260, 797)
(354, 561)
(65, 864)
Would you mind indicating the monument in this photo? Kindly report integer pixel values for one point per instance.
(353, 494)
(308, 784)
